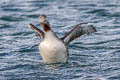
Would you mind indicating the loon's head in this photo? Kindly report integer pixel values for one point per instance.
(43, 19)
(44, 22)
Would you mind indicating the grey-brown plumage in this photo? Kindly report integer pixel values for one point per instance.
(77, 31)
(36, 30)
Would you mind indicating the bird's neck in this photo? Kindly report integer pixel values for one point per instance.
(46, 27)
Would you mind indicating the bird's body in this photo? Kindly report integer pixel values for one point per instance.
(54, 49)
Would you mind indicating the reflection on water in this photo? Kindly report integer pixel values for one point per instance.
(91, 57)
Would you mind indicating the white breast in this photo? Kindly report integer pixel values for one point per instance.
(52, 50)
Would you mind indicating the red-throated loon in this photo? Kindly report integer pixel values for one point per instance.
(54, 49)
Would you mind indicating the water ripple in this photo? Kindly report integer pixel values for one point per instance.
(91, 57)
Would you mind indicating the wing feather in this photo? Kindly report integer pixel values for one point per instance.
(77, 31)
(36, 30)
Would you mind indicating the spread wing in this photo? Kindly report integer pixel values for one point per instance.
(36, 30)
(77, 31)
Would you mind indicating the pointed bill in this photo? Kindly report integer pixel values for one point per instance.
(77, 31)
(36, 30)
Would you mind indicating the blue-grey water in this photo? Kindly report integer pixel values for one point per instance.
(91, 57)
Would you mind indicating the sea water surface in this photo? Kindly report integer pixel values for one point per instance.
(91, 57)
